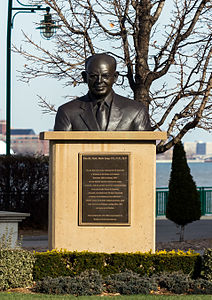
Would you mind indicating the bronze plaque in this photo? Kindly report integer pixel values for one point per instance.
(104, 189)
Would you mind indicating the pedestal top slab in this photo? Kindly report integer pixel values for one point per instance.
(103, 135)
(9, 216)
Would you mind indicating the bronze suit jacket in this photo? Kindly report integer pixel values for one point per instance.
(125, 115)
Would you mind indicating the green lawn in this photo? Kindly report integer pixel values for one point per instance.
(15, 296)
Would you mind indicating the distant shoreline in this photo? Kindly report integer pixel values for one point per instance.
(200, 171)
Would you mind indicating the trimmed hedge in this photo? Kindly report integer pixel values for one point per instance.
(16, 268)
(63, 263)
(62, 272)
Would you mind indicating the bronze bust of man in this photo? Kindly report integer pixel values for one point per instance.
(102, 109)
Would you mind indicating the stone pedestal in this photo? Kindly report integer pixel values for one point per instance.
(68, 183)
(9, 227)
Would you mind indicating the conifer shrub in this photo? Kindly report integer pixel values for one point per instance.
(184, 204)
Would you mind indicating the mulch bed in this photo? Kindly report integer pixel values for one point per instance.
(198, 245)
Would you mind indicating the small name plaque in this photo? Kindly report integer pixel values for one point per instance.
(104, 189)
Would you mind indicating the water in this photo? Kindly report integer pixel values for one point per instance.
(201, 172)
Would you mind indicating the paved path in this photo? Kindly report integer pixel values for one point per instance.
(38, 241)
(166, 231)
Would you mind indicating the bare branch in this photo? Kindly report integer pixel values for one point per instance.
(158, 11)
(166, 66)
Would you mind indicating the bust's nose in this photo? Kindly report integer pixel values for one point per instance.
(99, 78)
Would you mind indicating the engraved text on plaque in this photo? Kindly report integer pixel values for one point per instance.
(104, 189)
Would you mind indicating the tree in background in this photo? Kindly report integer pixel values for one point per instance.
(28, 187)
(183, 205)
(164, 64)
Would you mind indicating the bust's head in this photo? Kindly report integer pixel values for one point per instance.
(100, 74)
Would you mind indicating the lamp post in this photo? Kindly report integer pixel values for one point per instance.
(48, 29)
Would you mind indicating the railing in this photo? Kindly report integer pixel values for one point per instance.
(161, 201)
(22, 202)
(205, 198)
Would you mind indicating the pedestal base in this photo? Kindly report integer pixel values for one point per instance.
(64, 229)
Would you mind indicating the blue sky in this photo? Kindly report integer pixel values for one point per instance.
(26, 112)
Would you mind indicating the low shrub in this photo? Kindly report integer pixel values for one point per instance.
(201, 286)
(207, 265)
(126, 283)
(16, 267)
(129, 283)
(176, 282)
(87, 283)
(91, 283)
(63, 263)
(179, 283)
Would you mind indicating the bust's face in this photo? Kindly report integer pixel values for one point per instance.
(100, 76)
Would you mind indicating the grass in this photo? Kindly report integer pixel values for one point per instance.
(18, 296)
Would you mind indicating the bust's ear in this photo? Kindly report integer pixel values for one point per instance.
(84, 76)
(116, 75)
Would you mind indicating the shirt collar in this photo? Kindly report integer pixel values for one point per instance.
(108, 99)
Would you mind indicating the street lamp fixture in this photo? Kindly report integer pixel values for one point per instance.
(48, 28)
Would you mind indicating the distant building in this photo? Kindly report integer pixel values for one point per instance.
(22, 132)
(201, 148)
(208, 148)
(190, 148)
(2, 127)
(24, 141)
(166, 155)
(28, 144)
(198, 148)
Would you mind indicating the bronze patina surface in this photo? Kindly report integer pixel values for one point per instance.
(101, 109)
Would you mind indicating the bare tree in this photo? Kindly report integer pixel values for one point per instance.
(166, 66)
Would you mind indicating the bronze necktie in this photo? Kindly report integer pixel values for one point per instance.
(101, 115)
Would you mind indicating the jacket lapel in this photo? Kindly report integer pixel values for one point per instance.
(115, 114)
(87, 114)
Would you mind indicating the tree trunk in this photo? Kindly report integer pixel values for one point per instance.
(141, 94)
(182, 230)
